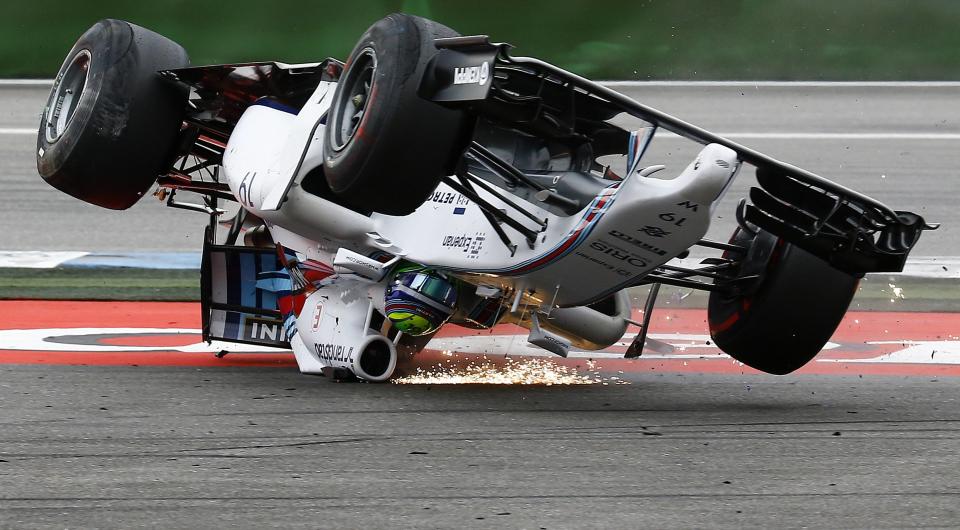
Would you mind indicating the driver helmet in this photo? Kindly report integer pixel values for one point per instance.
(419, 301)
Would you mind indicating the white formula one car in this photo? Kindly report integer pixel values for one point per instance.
(435, 178)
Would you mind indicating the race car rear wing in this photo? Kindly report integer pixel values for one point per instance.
(851, 231)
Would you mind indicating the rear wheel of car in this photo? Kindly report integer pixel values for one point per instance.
(386, 147)
(781, 321)
(110, 126)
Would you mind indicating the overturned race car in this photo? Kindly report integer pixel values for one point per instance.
(435, 178)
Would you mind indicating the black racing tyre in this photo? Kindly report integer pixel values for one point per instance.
(110, 126)
(386, 147)
(781, 322)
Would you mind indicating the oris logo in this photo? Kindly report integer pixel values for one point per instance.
(472, 74)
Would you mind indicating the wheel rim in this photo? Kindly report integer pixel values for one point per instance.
(65, 96)
(357, 87)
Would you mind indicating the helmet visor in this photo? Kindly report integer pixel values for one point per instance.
(436, 288)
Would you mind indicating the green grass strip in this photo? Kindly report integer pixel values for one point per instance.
(610, 39)
(100, 284)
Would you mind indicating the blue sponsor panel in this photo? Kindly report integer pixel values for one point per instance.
(250, 328)
(240, 288)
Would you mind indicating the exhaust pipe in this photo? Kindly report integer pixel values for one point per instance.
(377, 359)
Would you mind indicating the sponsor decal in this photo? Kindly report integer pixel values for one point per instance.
(654, 231)
(634, 241)
(619, 254)
(671, 217)
(334, 352)
(243, 192)
(459, 210)
(472, 75)
(471, 245)
(567, 245)
(457, 241)
(317, 315)
(477, 245)
(262, 329)
(362, 263)
(604, 264)
(448, 197)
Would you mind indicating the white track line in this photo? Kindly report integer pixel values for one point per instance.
(37, 259)
(26, 82)
(10, 130)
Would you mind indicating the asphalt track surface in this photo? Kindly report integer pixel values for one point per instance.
(897, 143)
(168, 438)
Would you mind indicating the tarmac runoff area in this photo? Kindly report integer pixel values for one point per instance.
(896, 142)
(115, 414)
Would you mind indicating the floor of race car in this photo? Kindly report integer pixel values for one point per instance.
(110, 419)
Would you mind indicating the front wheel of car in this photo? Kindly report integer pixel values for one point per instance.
(386, 147)
(784, 318)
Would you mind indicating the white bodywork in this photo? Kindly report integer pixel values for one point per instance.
(631, 228)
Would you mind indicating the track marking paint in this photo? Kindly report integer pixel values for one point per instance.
(37, 259)
(26, 82)
(88, 333)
